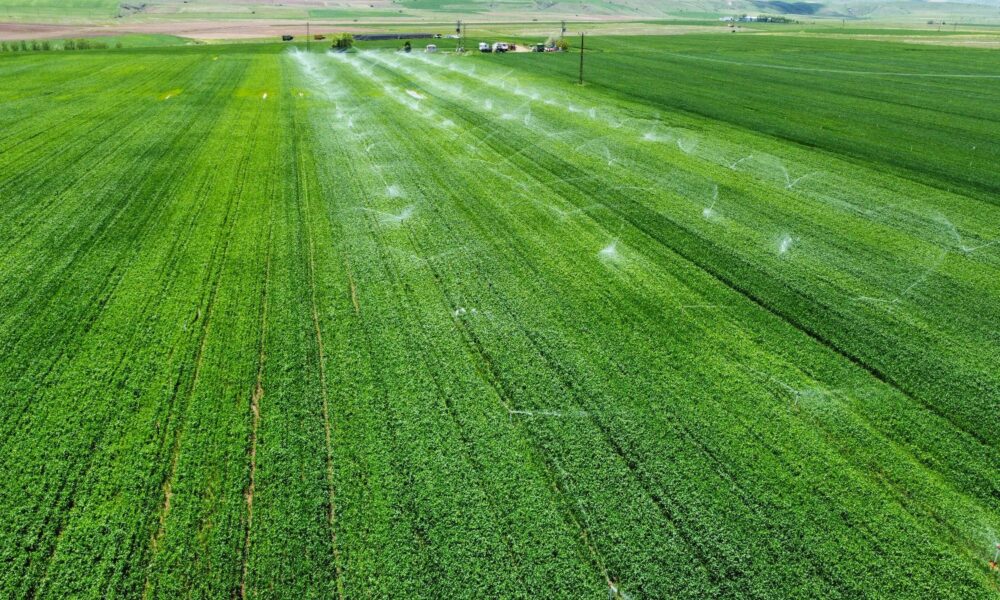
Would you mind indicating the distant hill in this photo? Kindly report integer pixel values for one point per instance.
(41, 11)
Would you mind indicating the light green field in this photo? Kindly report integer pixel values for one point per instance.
(719, 323)
(57, 10)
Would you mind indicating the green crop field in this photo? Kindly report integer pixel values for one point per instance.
(722, 322)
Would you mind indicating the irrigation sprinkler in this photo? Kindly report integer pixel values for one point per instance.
(614, 592)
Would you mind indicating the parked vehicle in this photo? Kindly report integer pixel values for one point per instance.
(485, 47)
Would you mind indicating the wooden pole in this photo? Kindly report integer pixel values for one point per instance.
(581, 58)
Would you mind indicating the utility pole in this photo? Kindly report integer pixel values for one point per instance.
(581, 58)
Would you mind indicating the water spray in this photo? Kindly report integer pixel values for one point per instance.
(610, 252)
(790, 184)
(709, 211)
(737, 163)
(785, 244)
(687, 145)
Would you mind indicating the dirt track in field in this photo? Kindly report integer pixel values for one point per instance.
(236, 29)
(202, 30)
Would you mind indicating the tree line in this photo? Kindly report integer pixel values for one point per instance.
(46, 45)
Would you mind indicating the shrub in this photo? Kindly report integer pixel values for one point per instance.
(344, 41)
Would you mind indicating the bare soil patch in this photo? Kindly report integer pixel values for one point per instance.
(198, 30)
(246, 29)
